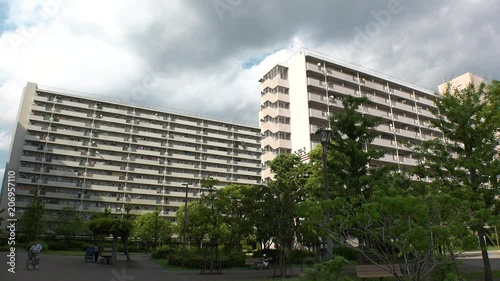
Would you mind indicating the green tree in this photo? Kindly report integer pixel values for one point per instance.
(238, 203)
(32, 220)
(153, 228)
(104, 224)
(279, 200)
(69, 223)
(465, 161)
(348, 159)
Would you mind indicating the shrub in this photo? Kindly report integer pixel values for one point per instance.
(57, 245)
(297, 256)
(5, 248)
(234, 259)
(346, 252)
(163, 252)
(330, 270)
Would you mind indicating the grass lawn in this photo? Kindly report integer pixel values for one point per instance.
(479, 276)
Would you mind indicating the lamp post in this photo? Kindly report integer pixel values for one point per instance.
(185, 223)
(324, 136)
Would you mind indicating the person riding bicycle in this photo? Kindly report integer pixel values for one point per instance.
(35, 250)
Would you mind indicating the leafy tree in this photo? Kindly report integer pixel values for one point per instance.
(238, 203)
(32, 220)
(465, 162)
(104, 224)
(152, 228)
(69, 223)
(348, 159)
(279, 200)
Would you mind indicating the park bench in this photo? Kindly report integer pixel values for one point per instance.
(105, 255)
(377, 271)
(251, 261)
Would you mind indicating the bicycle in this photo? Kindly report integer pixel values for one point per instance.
(33, 261)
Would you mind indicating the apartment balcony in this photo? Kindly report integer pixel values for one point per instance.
(319, 114)
(39, 108)
(426, 101)
(153, 181)
(275, 111)
(426, 113)
(192, 140)
(193, 166)
(73, 113)
(274, 97)
(273, 83)
(405, 120)
(186, 122)
(175, 203)
(255, 164)
(35, 170)
(103, 177)
(185, 131)
(72, 123)
(384, 142)
(193, 175)
(57, 173)
(143, 201)
(268, 156)
(385, 129)
(140, 212)
(68, 142)
(145, 171)
(375, 86)
(112, 138)
(97, 209)
(402, 106)
(389, 158)
(276, 143)
(57, 183)
(121, 111)
(37, 128)
(106, 188)
(248, 173)
(183, 156)
(111, 129)
(216, 152)
(248, 181)
(145, 161)
(406, 160)
(216, 169)
(378, 99)
(379, 113)
(224, 144)
(344, 90)
(147, 152)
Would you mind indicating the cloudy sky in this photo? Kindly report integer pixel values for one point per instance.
(205, 56)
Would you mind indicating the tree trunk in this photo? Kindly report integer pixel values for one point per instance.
(115, 250)
(125, 247)
(484, 253)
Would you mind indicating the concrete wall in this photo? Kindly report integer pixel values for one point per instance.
(299, 105)
(16, 144)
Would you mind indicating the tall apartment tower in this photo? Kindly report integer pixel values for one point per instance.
(298, 96)
(462, 81)
(92, 154)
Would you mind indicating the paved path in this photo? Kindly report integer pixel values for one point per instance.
(73, 268)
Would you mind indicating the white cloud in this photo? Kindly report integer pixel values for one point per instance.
(4, 140)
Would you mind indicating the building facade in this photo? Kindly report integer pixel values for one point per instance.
(298, 96)
(462, 81)
(89, 154)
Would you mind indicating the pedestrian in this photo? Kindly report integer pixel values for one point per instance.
(97, 250)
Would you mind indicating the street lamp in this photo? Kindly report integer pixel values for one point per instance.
(324, 136)
(323, 69)
(185, 223)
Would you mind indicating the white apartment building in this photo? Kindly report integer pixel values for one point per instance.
(90, 154)
(298, 96)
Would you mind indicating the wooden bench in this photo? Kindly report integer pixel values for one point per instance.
(378, 271)
(105, 255)
(251, 261)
